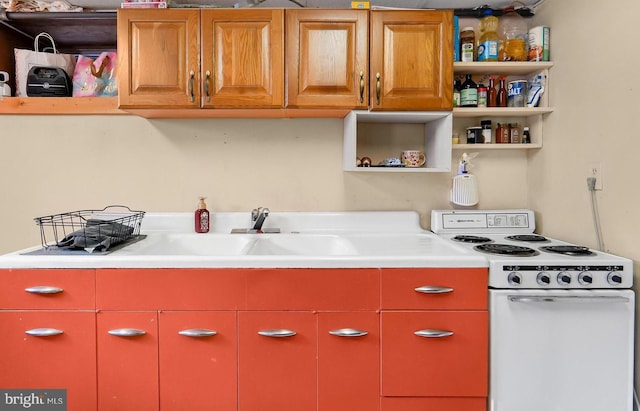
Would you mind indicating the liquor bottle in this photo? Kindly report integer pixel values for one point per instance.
(469, 93)
(501, 99)
(492, 93)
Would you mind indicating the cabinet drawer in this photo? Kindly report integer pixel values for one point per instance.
(47, 289)
(237, 289)
(432, 365)
(435, 288)
(434, 404)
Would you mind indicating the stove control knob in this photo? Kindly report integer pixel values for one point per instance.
(585, 278)
(564, 278)
(614, 278)
(543, 279)
(514, 278)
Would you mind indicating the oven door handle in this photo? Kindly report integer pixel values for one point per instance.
(567, 298)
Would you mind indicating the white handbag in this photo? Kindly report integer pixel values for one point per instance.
(26, 59)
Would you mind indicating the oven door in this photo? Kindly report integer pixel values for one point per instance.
(561, 350)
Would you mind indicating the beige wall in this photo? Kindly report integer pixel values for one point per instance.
(597, 107)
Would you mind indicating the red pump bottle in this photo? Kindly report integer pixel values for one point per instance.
(202, 217)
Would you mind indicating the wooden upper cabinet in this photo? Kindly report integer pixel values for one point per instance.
(243, 58)
(159, 63)
(411, 60)
(327, 58)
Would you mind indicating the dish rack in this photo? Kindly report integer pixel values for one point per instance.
(91, 230)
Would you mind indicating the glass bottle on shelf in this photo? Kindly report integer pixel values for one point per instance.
(456, 93)
(469, 93)
(492, 93)
(501, 100)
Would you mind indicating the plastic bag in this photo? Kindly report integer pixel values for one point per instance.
(95, 78)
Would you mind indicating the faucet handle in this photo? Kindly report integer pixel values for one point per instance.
(254, 214)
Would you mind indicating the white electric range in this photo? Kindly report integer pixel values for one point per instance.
(561, 315)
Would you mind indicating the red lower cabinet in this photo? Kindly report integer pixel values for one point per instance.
(198, 361)
(50, 350)
(434, 404)
(127, 361)
(348, 361)
(435, 354)
(277, 360)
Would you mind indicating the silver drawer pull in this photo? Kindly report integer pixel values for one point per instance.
(433, 289)
(127, 332)
(348, 332)
(278, 333)
(44, 289)
(567, 299)
(197, 332)
(432, 333)
(44, 332)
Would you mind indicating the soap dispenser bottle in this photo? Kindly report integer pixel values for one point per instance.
(202, 217)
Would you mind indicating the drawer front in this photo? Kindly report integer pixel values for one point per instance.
(434, 288)
(434, 363)
(47, 289)
(237, 289)
(434, 404)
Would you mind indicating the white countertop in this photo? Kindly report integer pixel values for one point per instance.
(307, 240)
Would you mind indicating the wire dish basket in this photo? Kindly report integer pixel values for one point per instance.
(90, 230)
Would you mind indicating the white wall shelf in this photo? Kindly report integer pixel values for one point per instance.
(435, 142)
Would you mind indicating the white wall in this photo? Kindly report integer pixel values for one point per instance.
(596, 99)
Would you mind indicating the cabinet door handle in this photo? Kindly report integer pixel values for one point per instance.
(277, 333)
(378, 87)
(197, 332)
(361, 87)
(432, 333)
(127, 332)
(44, 289)
(192, 96)
(44, 332)
(207, 84)
(433, 289)
(348, 332)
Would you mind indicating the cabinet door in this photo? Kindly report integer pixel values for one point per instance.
(277, 372)
(198, 361)
(34, 356)
(327, 58)
(432, 365)
(243, 58)
(127, 361)
(348, 361)
(158, 52)
(411, 60)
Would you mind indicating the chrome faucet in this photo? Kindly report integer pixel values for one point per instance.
(258, 215)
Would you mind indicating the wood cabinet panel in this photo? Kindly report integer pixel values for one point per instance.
(158, 50)
(411, 60)
(127, 366)
(348, 366)
(449, 366)
(277, 373)
(63, 361)
(327, 58)
(243, 52)
(48, 289)
(198, 372)
(468, 288)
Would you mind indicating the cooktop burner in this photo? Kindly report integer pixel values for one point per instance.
(527, 237)
(506, 249)
(472, 239)
(572, 250)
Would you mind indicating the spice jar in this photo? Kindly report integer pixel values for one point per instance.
(486, 131)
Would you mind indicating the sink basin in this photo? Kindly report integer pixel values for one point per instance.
(196, 244)
(301, 244)
(246, 244)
